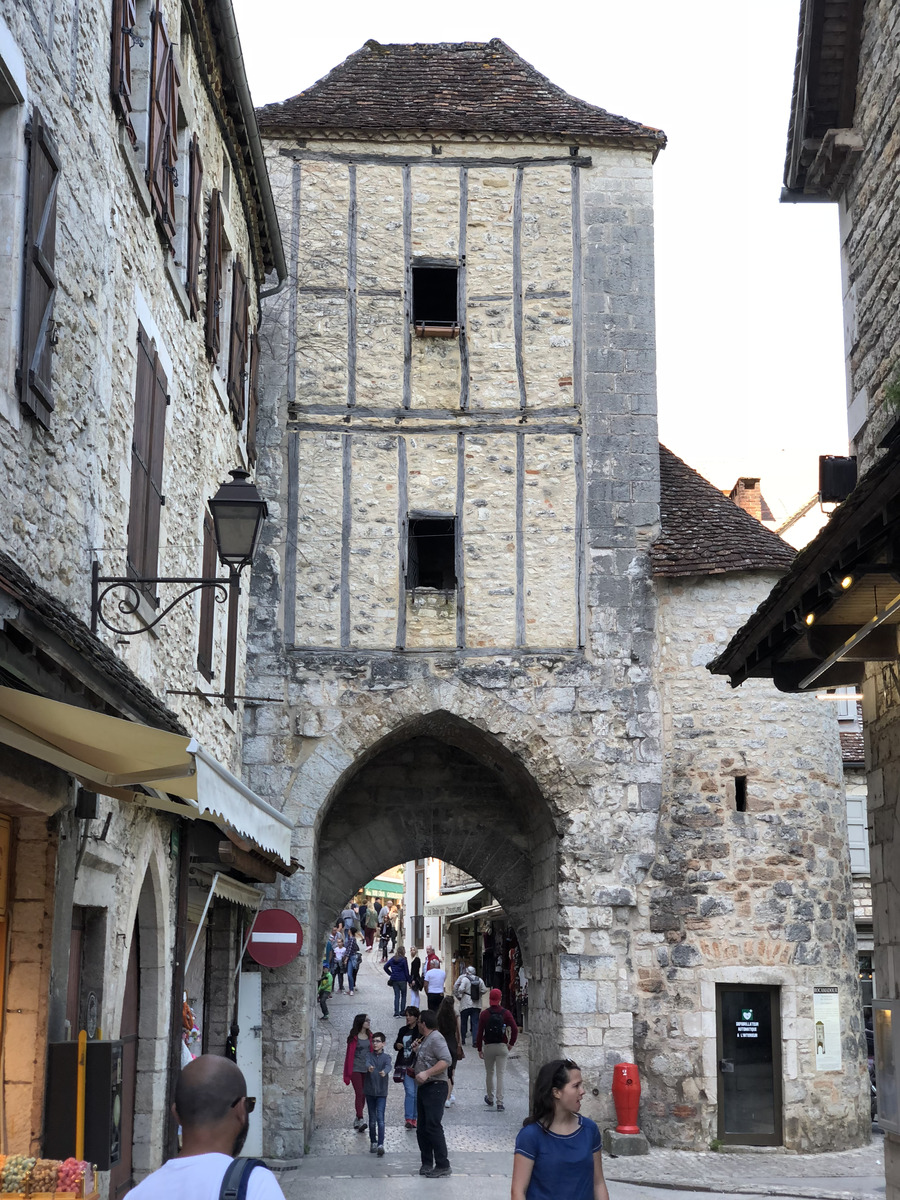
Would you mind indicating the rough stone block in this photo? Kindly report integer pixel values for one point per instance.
(624, 1145)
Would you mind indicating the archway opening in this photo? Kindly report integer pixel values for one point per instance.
(441, 788)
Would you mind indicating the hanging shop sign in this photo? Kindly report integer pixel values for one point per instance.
(277, 938)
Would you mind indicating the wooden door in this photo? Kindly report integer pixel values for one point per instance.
(120, 1176)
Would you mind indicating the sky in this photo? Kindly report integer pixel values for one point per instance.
(749, 327)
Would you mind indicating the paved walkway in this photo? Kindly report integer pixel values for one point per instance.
(480, 1140)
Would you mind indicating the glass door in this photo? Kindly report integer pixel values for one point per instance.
(748, 1035)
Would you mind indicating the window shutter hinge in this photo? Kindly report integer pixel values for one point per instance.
(162, 502)
(168, 400)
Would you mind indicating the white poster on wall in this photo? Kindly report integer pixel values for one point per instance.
(827, 1018)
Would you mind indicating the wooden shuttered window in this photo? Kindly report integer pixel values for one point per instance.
(215, 256)
(148, 441)
(253, 400)
(206, 638)
(237, 349)
(124, 20)
(34, 375)
(194, 228)
(162, 128)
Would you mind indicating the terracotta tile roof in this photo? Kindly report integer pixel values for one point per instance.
(463, 87)
(54, 616)
(853, 748)
(705, 533)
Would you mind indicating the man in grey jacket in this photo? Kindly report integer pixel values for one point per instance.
(468, 990)
(432, 1061)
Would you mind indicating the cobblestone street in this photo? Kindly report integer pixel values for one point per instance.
(480, 1140)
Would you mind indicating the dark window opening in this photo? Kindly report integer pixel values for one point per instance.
(434, 296)
(740, 793)
(431, 559)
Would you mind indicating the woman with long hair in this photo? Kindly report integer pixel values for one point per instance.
(448, 1027)
(359, 1043)
(557, 1149)
(408, 1033)
(416, 982)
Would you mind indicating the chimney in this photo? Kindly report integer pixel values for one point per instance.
(746, 495)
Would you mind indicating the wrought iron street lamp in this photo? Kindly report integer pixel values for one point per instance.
(238, 512)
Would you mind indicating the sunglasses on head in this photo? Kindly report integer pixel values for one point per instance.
(251, 1102)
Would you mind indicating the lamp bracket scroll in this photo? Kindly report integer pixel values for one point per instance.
(129, 602)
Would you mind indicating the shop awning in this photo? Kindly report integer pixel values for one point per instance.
(383, 887)
(491, 913)
(451, 904)
(112, 756)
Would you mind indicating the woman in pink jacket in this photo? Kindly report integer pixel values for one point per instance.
(359, 1043)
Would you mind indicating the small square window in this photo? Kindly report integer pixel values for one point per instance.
(431, 558)
(435, 309)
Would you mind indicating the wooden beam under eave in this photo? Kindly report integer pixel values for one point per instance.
(787, 676)
(878, 646)
(248, 864)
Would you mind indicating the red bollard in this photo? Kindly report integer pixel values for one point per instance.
(626, 1091)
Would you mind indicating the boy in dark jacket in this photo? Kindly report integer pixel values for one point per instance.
(375, 1087)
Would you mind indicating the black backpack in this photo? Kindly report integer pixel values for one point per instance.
(475, 990)
(494, 1029)
(237, 1178)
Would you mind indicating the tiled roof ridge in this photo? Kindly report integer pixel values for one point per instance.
(57, 617)
(548, 112)
(703, 532)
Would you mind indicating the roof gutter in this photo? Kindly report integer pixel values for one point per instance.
(235, 57)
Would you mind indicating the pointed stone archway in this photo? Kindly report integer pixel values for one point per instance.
(437, 785)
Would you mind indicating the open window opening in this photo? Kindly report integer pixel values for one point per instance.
(740, 793)
(435, 308)
(431, 558)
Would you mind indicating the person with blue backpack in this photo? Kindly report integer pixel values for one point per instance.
(213, 1108)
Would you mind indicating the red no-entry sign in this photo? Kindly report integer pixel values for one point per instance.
(277, 938)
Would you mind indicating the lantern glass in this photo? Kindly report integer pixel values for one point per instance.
(238, 512)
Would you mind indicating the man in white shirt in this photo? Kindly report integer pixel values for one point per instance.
(434, 985)
(213, 1107)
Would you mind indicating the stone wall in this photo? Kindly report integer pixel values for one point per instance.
(67, 492)
(524, 737)
(756, 896)
(869, 207)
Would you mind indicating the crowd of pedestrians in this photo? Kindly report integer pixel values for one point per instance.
(557, 1152)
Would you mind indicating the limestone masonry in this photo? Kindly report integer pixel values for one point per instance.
(478, 657)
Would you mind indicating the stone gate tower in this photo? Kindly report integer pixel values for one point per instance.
(457, 436)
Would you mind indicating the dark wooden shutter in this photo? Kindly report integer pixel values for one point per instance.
(147, 446)
(162, 135)
(253, 401)
(34, 376)
(195, 228)
(124, 20)
(237, 349)
(412, 558)
(205, 640)
(215, 250)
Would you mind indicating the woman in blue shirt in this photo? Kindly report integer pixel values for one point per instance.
(557, 1149)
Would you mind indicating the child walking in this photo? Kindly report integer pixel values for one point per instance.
(326, 984)
(375, 1086)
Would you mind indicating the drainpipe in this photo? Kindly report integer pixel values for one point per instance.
(235, 58)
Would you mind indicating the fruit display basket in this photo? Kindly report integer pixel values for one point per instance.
(24, 1178)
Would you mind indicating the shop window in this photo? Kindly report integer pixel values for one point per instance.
(431, 553)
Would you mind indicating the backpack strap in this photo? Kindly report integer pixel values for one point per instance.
(237, 1178)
